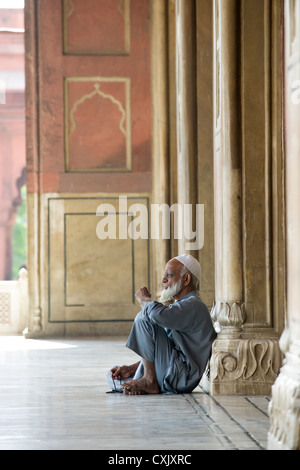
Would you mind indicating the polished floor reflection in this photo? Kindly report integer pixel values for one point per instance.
(53, 397)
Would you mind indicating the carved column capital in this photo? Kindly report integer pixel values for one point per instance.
(229, 316)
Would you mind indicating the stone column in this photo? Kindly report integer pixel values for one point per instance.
(186, 112)
(205, 130)
(161, 190)
(245, 356)
(284, 408)
(228, 172)
(228, 310)
(32, 165)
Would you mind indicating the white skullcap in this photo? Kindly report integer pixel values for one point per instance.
(191, 263)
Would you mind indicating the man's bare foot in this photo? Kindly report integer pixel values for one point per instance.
(141, 386)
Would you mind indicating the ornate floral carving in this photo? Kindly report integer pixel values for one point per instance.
(255, 359)
(228, 314)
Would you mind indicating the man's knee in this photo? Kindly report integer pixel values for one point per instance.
(142, 316)
(143, 322)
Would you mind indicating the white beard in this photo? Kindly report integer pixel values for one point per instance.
(170, 292)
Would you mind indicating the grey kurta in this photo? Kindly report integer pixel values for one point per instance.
(177, 338)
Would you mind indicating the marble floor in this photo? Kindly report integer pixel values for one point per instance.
(53, 397)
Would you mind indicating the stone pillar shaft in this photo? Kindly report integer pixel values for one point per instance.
(186, 107)
(161, 192)
(228, 171)
(284, 408)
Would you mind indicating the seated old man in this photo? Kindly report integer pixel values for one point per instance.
(174, 342)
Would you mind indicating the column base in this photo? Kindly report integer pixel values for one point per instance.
(243, 366)
(284, 408)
